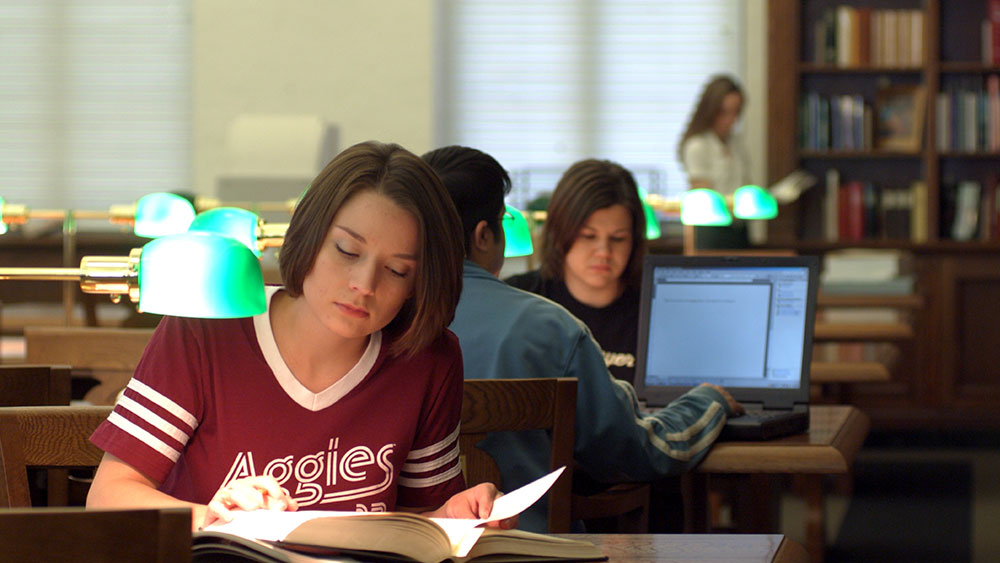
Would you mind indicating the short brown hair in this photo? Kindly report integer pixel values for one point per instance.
(587, 186)
(396, 173)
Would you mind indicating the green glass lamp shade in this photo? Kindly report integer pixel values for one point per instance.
(233, 222)
(517, 233)
(162, 213)
(3, 226)
(652, 223)
(753, 202)
(702, 206)
(200, 275)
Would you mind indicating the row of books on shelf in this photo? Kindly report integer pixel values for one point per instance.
(857, 210)
(850, 36)
(839, 122)
(968, 116)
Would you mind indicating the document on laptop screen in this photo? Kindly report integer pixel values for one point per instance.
(736, 327)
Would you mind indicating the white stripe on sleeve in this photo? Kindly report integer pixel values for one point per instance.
(415, 483)
(435, 448)
(154, 419)
(161, 400)
(144, 436)
(433, 464)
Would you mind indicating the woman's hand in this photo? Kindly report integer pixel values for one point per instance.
(475, 502)
(249, 493)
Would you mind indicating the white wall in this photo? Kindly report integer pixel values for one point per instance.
(366, 66)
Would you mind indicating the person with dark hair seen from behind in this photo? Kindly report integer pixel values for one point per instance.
(507, 333)
(594, 241)
(352, 358)
(713, 155)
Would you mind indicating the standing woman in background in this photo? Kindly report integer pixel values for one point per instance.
(714, 156)
(594, 241)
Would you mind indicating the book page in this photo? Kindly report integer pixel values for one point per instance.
(269, 525)
(516, 502)
(463, 533)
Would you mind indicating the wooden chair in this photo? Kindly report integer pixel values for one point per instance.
(160, 535)
(108, 355)
(28, 385)
(626, 505)
(494, 405)
(50, 437)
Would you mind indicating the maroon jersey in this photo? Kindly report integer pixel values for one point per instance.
(212, 401)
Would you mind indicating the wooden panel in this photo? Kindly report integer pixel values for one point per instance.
(109, 355)
(138, 535)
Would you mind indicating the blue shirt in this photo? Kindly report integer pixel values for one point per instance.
(507, 333)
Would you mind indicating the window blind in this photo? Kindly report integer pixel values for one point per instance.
(94, 101)
(539, 85)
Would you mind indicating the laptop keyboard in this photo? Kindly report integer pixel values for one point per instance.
(761, 414)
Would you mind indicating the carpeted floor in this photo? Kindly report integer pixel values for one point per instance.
(907, 511)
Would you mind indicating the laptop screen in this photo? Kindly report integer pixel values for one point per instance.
(744, 323)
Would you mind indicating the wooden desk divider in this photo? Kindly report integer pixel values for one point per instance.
(109, 355)
(160, 535)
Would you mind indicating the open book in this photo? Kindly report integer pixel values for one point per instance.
(321, 535)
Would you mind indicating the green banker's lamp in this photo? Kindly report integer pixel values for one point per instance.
(652, 223)
(707, 207)
(153, 215)
(188, 275)
(702, 206)
(754, 202)
(242, 225)
(517, 234)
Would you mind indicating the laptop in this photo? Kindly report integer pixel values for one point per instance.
(744, 323)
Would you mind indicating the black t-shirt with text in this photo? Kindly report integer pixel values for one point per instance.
(615, 327)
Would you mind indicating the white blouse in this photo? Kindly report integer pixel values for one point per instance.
(725, 167)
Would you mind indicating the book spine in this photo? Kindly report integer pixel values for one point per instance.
(919, 211)
(871, 225)
(831, 215)
(844, 35)
(993, 100)
(986, 42)
(995, 41)
(968, 200)
(917, 38)
(942, 103)
(987, 212)
(855, 211)
(864, 36)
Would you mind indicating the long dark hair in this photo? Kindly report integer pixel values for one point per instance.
(709, 104)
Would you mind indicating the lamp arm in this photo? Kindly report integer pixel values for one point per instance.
(35, 274)
(109, 275)
(271, 235)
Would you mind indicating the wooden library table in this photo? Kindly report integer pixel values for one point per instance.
(700, 548)
(835, 435)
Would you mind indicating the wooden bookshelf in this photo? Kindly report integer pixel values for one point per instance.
(951, 64)
(949, 373)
